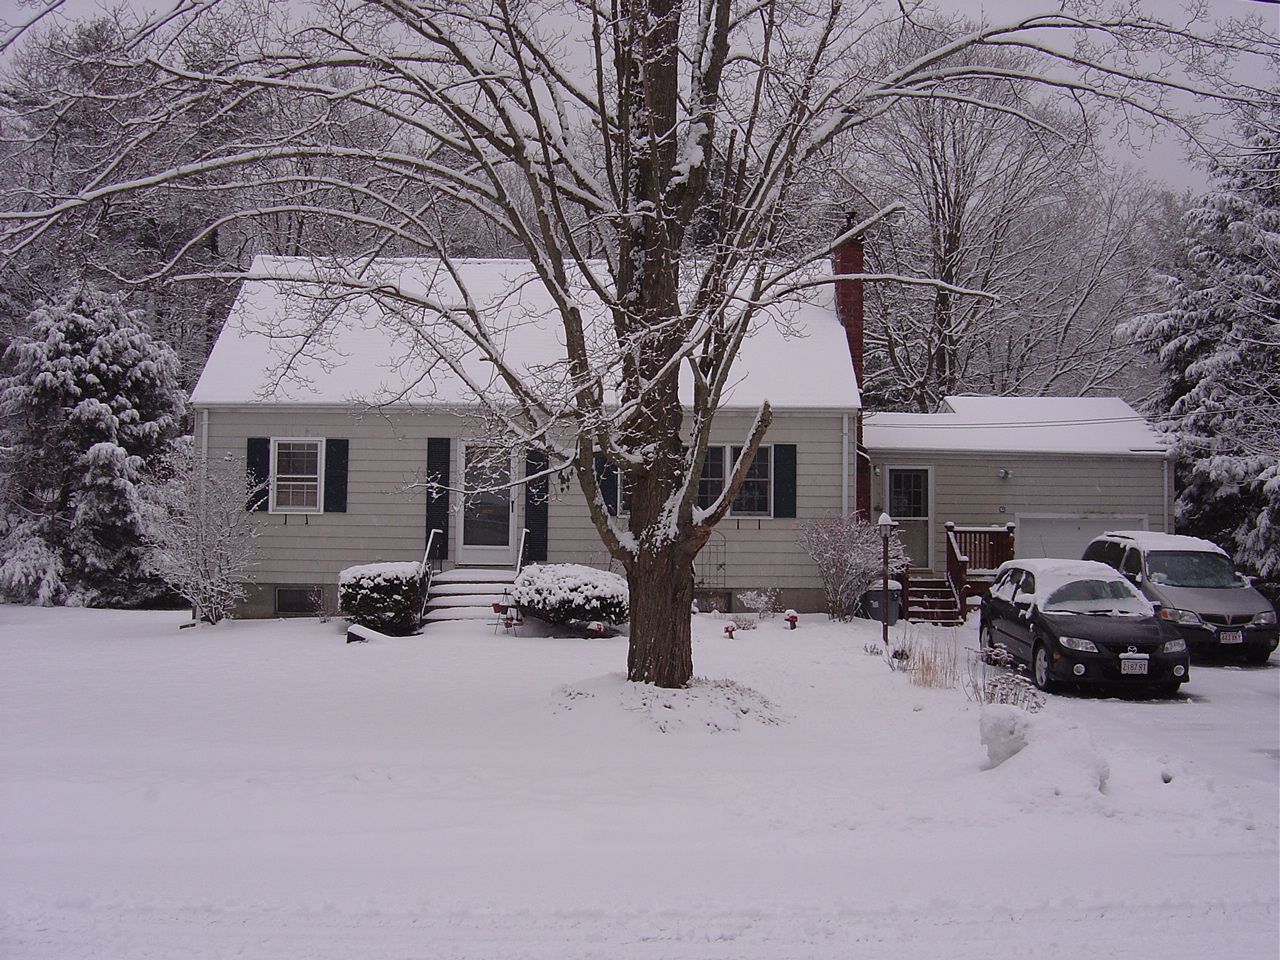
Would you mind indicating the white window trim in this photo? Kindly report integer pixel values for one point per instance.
(728, 469)
(274, 475)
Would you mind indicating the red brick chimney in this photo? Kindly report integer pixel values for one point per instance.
(847, 259)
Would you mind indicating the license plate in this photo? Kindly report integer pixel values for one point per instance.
(1133, 665)
(1231, 636)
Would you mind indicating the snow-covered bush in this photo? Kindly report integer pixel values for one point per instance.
(850, 555)
(764, 602)
(386, 597)
(91, 405)
(200, 538)
(566, 592)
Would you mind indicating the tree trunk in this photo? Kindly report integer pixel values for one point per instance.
(661, 585)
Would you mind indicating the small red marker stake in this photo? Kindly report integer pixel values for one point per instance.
(728, 630)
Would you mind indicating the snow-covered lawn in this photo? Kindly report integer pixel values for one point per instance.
(262, 789)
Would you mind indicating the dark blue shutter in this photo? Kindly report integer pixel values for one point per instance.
(335, 475)
(607, 478)
(438, 499)
(257, 460)
(784, 479)
(536, 509)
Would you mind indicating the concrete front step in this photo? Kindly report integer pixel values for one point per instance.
(459, 613)
(486, 600)
(475, 575)
(463, 589)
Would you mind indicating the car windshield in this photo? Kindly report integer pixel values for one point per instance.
(1098, 597)
(1192, 568)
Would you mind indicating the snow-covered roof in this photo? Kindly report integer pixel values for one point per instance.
(1152, 540)
(1097, 425)
(363, 347)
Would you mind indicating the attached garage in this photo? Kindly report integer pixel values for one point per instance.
(1061, 470)
(1066, 535)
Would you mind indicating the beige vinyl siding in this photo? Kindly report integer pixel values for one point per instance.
(386, 514)
(968, 491)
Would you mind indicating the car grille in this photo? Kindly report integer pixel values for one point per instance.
(1227, 620)
(1115, 649)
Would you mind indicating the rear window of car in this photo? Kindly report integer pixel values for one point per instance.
(1106, 551)
(1192, 568)
(1097, 596)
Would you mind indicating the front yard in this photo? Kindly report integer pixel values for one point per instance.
(262, 788)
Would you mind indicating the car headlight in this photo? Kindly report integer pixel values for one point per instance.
(1175, 615)
(1174, 646)
(1267, 618)
(1078, 643)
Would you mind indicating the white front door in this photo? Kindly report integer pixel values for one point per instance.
(909, 495)
(487, 520)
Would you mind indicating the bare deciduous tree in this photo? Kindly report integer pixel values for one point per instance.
(589, 136)
(200, 539)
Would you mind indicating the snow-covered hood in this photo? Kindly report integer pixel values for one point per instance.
(1223, 601)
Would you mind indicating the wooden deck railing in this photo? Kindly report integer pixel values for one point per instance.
(972, 550)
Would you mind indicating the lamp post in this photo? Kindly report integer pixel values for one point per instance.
(885, 525)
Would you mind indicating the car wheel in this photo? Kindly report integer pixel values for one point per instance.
(1040, 669)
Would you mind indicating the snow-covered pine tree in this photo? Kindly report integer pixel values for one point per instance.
(1219, 347)
(91, 400)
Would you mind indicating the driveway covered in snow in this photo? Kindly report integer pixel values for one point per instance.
(265, 789)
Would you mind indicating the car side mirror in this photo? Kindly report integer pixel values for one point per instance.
(1024, 608)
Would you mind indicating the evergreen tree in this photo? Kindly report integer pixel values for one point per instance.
(1219, 347)
(91, 400)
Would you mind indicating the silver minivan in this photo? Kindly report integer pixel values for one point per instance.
(1197, 588)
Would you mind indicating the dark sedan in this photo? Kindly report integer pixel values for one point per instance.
(1082, 622)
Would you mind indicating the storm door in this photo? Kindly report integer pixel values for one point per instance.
(488, 517)
(910, 496)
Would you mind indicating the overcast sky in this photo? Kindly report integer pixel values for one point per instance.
(1165, 159)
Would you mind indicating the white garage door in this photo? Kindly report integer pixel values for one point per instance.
(1066, 536)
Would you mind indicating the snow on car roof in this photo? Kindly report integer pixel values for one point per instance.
(1067, 569)
(1052, 573)
(1150, 540)
(363, 347)
(1099, 425)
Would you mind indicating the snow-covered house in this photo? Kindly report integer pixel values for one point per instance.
(347, 436)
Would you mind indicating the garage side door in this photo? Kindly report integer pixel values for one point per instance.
(1066, 536)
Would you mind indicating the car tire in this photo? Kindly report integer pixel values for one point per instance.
(1040, 669)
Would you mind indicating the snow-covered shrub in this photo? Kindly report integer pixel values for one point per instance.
(201, 540)
(566, 592)
(850, 556)
(386, 597)
(746, 621)
(91, 405)
(764, 602)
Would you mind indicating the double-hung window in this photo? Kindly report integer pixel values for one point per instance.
(297, 471)
(755, 496)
